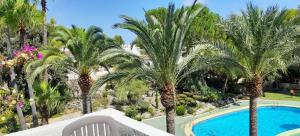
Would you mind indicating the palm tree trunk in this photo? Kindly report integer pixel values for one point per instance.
(22, 35)
(18, 108)
(9, 44)
(167, 100)
(255, 90)
(45, 36)
(170, 118)
(84, 83)
(13, 81)
(21, 117)
(44, 9)
(45, 114)
(32, 104)
(225, 85)
(253, 116)
(86, 103)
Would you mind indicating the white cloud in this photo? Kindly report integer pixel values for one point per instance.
(190, 2)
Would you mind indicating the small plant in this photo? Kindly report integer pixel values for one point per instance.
(48, 100)
(197, 97)
(104, 94)
(191, 102)
(143, 106)
(8, 122)
(138, 118)
(8, 100)
(186, 99)
(190, 110)
(180, 110)
(104, 102)
(151, 111)
(131, 92)
(131, 112)
(189, 94)
(209, 94)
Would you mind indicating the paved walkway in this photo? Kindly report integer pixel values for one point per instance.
(159, 122)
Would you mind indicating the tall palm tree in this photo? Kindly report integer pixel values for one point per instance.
(43, 4)
(262, 44)
(80, 57)
(162, 42)
(44, 9)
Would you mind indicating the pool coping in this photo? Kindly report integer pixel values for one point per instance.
(290, 132)
(188, 127)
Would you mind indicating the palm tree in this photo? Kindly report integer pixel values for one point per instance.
(262, 44)
(47, 97)
(44, 12)
(44, 9)
(162, 42)
(80, 57)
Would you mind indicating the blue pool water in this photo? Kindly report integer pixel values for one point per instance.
(272, 120)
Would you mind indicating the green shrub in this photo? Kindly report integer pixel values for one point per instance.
(104, 101)
(189, 101)
(180, 110)
(181, 102)
(143, 106)
(212, 96)
(131, 112)
(189, 94)
(208, 94)
(181, 95)
(190, 110)
(26, 108)
(151, 111)
(105, 94)
(183, 99)
(131, 92)
(197, 97)
(8, 122)
(138, 118)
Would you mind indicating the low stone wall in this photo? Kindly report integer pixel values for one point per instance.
(55, 129)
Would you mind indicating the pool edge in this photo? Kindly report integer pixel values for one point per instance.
(292, 132)
(188, 127)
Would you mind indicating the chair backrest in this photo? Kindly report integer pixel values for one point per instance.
(92, 126)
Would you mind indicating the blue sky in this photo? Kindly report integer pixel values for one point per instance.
(105, 13)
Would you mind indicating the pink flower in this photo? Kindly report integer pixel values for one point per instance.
(39, 56)
(28, 49)
(21, 104)
(15, 53)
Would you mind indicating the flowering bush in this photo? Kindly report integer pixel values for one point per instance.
(8, 100)
(8, 122)
(26, 53)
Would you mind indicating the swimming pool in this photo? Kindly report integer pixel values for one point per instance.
(272, 120)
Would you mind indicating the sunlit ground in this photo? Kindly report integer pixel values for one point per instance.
(281, 96)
